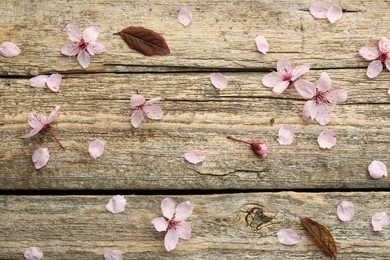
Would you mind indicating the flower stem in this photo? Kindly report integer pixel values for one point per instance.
(55, 138)
(238, 140)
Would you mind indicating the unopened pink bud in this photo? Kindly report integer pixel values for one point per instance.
(260, 149)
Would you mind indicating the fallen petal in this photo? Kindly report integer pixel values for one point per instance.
(9, 50)
(379, 221)
(345, 210)
(95, 149)
(286, 135)
(327, 139)
(113, 255)
(185, 15)
(334, 13)
(33, 253)
(195, 156)
(261, 44)
(287, 237)
(319, 10)
(54, 82)
(377, 170)
(116, 204)
(219, 80)
(38, 81)
(40, 157)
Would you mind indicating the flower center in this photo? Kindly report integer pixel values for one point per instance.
(287, 77)
(47, 127)
(383, 57)
(319, 97)
(82, 45)
(172, 223)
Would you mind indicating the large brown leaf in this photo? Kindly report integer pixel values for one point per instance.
(145, 41)
(321, 235)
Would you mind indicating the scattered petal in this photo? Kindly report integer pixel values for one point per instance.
(95, 149)
(377, 170)
(334, 13)
(116, 204)
(327, 139)
(345, 210)
(54, 82)
(195, 156)
(9, 50)
(113, 255)
(287, 237)
(33, 253)
(261, 44)
(379, 221)
(286, 135)
(219, 80)
(185, 15)
(319, 10)
(40, 157)
(38, 81)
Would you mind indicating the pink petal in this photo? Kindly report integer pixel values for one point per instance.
(195, 156)
(184, 230)
(153, 112)
(272, 79)
(284, 65)
(95, 149)
(33, 253)
(137, 117)
(219, 80)
(345, 210)
(374, 68)
(305, 88)
(168, 208)
(299, 71)
(185, 15)
(384, 44)
(38, 81)
(261, 44)
(40, 157)
(377, 170)
(323, 114)
(327, 139)
(113, 255)
(32, 132)
(84, 59)
(379, 221)
(70, 49)
(288, 237)
(286, 135)
(116, 204)
(96, 48)
(91, 34)
(152, 101)
(184, 210)
(53, 115)
(337, 96)
(369, 53)
(387, 63)
(171, 239)
(36, 120)
(9, 50)
(309, 110)
(74, 33)
(335, 12)
(279, 88)
(137, 100)
(160, 224)
(324, 83)
(54, 82)
(319, 10)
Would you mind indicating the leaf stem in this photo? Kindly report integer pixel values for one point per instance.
(55, 138)
(238, 140)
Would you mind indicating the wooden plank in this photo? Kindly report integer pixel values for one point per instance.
(79, 227)
(221, 35)
(196, 117)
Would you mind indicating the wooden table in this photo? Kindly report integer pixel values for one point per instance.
(61, 207)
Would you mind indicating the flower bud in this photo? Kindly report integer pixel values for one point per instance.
(260, 149)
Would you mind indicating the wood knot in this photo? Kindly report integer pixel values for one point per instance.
(256, 217)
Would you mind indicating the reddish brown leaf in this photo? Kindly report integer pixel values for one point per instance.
(321, 235)
(145, 41)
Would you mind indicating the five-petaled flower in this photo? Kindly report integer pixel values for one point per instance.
(40, 122)
(320, 97)
(174, 222)
(144, 108)
(285, 75)
(377, 56)
(83, 44)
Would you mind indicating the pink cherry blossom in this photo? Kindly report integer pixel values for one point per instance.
(219, 80)
(174, 222)
(288, 237)
(322, 10)
(260, 149)
(195, 156)
(53, 81)
(377, 56)
(286, 135)
(40, 157)
(185, 15)
(113, 255)
(39, 122)
(379, 221)
(285, 75)
(83, 44)
(116, 204)
(327, 139)
(96, 149)
(33, 253)
(377, 170)
(320, 97)
(143, 109)
(9, 50)
(262, 44)
(345, 210)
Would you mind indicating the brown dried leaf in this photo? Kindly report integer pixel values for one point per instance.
(321, 235)
(145, 41)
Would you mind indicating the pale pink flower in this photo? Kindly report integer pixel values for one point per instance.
(195, 156)
(377, 56)
(327, 139)
(262, 44)
(286, 135)
(322, 10)
(185, 15)
(377, 169)
(320, 97)
(143, 109)
(288, 236)
(83, 44)
(379, 221)
(116, 204)
(174, 222)
(53, 81)
(285, 75)
(219, 80)
(33, 253)
(113, 255)
(40, 157)
(39, 122)
(96, 149)
(9, 50)
(345, 210)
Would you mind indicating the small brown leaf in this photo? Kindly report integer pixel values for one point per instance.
(321, 235)
(145, 41)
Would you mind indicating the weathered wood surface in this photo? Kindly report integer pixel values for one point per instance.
(80, 227)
